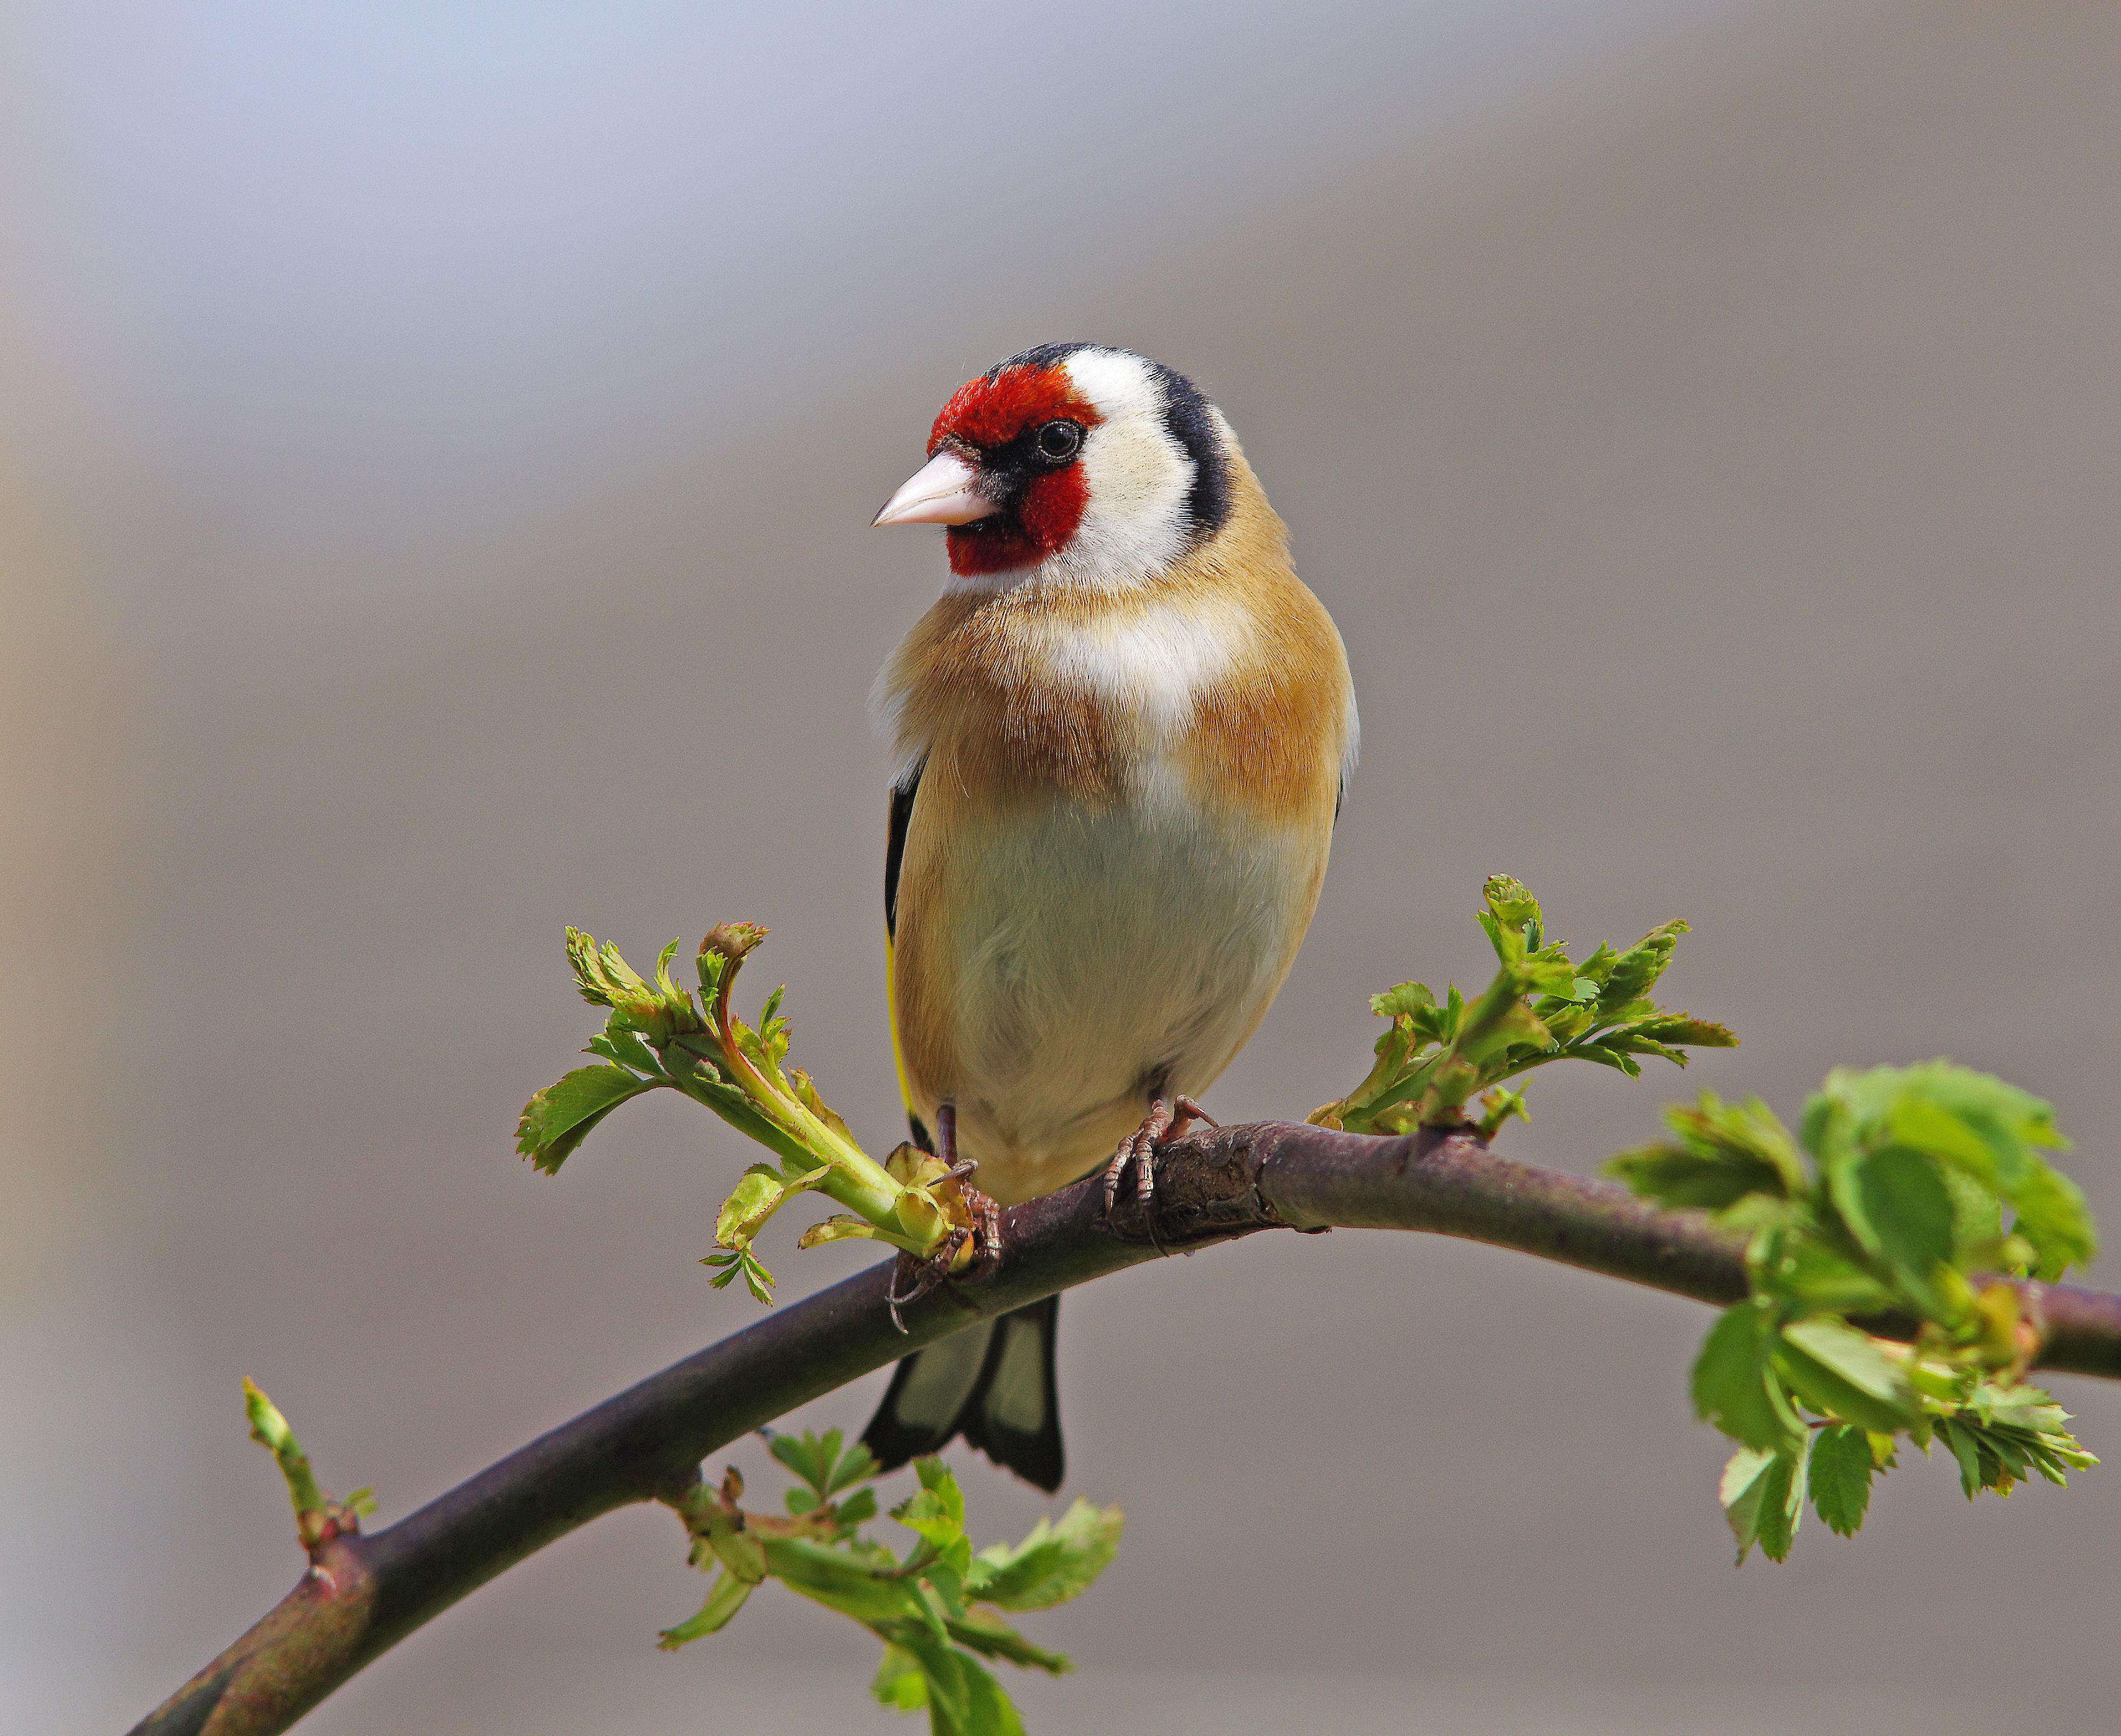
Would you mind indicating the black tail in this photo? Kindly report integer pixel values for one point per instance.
(993, 1383)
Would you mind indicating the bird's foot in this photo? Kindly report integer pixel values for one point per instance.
(986, 1210)
(920, 1273)
(1165, 1121)
(914, 1275)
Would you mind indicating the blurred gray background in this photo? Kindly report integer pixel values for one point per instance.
(435, 453)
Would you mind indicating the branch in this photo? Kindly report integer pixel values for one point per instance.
(364, 1593)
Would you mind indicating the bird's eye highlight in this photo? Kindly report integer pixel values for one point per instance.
(1058, 442)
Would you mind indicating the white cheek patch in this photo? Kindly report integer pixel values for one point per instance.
(1135, 524)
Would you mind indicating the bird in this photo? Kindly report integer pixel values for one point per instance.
(1120, 741)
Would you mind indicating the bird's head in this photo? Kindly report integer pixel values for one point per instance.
(1086, 464)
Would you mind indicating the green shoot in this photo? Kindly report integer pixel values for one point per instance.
(1920, 1181)
(938, 1608)
(658, 1036)
(318, 1518)
(1436, 1056)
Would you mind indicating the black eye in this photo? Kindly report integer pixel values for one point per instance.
(1058, 442)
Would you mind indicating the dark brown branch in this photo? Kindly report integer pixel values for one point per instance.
(363, 1594)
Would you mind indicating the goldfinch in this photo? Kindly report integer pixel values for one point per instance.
(1120, 740)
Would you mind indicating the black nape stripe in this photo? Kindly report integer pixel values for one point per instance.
(1192, 420)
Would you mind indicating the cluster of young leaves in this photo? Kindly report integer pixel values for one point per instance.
(657, 1036)
(1920, 1181)
(939, 1607)
(1540, 1008)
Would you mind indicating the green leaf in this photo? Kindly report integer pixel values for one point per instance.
(741, 1553)
(840, 1227)
(1671, 1175)
(605, 979)
(1746, 1132)
(944, 1580)
(857, 1464)
(1639, 967)
(989, 1711)
(1841, 1373)
(830, 1577)
(1814, 1278)
(1841, 1477)
(900, 1682)
(1733, 1383)
(1739, 1489)
(1967, 1117)
(985, 1632)
(1966, 1446)
(1782, 1498)
(2054, 1217)
(1407, 997)
(1723, 1152)
(809, 1456)
(759, 1192)
(1511, 925)
(735, 1262)
(2021, 1407)
(1684, 1028)
(1762, 1494)
(936, 1512)
(621, 1046)
(963, 1698)
(1896, 1203)
(943, 1671)
(1976, 1145)
(723, 1601)
(1977, 1215)
(1051, 1566)
(560, 1116)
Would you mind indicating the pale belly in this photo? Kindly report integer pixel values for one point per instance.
(1091, 957)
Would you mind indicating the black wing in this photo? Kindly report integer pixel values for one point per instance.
(894, 854)
(894, 847)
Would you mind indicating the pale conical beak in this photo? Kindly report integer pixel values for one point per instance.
(945, 491)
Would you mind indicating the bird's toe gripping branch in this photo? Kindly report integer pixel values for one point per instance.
(658, 1036)
(972, 1249)
(1166, 1120)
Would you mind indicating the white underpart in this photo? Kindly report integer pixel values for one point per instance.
(1152, 666)
(1134, 525)
(1093, 949)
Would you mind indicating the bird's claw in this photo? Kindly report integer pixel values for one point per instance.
(927, 1272)
(986, 1229)
(1166, 1121)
